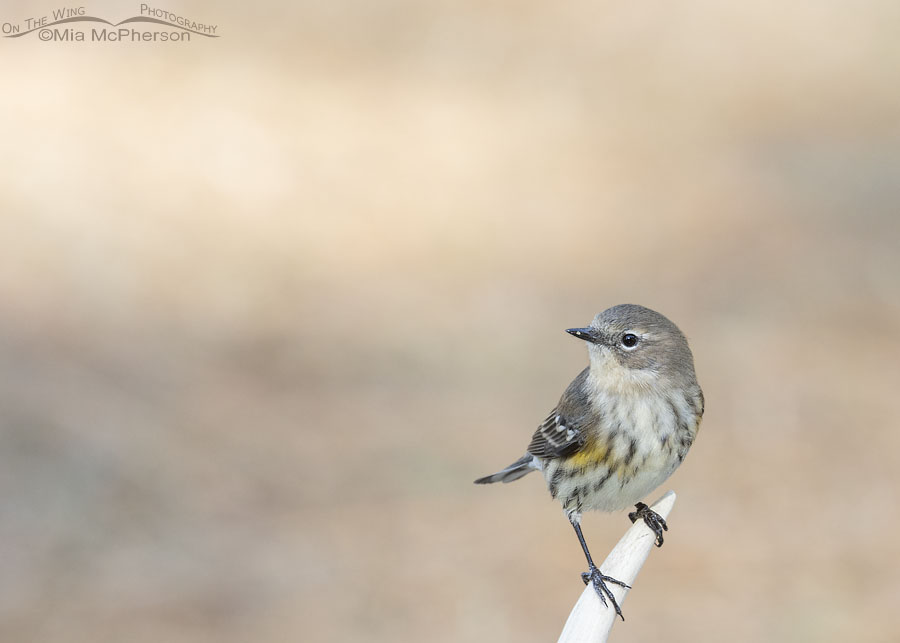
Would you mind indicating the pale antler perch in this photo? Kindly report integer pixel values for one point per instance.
(590, 621)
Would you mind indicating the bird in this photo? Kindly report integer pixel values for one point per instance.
(621, 427)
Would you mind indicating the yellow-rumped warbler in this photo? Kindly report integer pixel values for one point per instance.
(622, 426)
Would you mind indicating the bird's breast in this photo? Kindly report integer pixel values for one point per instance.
(634, 443)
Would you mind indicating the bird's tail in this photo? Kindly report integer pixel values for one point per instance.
(526, 464)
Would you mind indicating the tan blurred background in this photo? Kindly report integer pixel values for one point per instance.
(269, 303)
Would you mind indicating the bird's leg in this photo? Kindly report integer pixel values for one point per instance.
(653, 520)
(593, 575)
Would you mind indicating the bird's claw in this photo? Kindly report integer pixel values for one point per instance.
(599, 580)
(652, 519)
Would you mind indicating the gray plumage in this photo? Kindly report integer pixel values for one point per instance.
(625, 422)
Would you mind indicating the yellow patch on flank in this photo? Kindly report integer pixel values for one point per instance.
(589, 455)
(596, 455)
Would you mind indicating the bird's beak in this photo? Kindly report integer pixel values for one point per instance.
(587, 334)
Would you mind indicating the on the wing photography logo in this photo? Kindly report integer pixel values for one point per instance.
(73, 24)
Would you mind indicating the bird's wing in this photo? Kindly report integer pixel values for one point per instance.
(563, 432)
(556, 437)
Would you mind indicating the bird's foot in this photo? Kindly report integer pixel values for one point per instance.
(653, 520)
(593, 575)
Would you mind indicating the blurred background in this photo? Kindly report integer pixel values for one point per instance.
(270, 302)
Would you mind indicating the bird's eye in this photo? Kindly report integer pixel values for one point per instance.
(629, 340)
